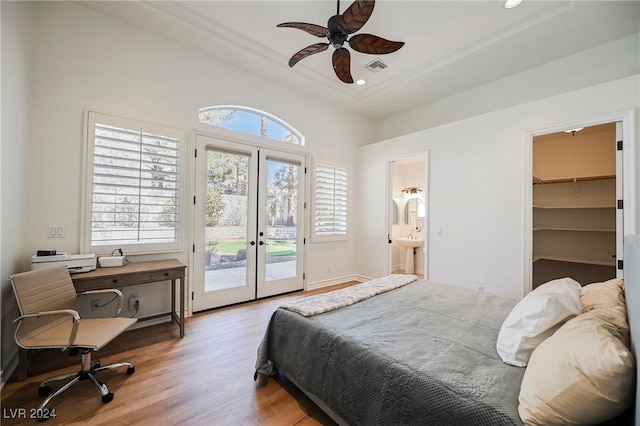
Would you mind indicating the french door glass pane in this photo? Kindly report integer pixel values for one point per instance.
(226, 220)
(282, 217)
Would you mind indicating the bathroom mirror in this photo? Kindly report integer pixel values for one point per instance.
(414, 213)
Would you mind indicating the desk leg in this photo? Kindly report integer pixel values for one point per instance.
(173, 299)
(182, 296)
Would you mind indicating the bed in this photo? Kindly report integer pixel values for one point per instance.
(420, 353)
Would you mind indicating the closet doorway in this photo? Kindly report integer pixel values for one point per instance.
(577, 216)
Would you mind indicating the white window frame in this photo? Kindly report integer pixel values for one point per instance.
(335, 235)
(91, 119)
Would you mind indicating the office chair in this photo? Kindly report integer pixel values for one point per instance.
(47, 320)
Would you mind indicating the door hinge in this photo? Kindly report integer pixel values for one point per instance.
(304, 275)
(192, 296)
(620, 205)
(194, 199)
(305, 170)
(304, 241)
(619, 145)
(305, 205)
(193, 248)
(620, 264)
(196, 154)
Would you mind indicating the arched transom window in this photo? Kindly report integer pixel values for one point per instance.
(251, 121)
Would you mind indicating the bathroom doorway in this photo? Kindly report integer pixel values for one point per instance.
(408, 215)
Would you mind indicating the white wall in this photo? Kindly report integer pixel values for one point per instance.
(70, 58)
(14, 162)
(607, 62)
(476, 186)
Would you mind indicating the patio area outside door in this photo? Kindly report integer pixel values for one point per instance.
(249, 223)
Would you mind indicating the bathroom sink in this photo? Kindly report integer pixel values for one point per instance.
(409, 242)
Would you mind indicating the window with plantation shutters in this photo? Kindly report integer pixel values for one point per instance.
(330, 201)
(133, 186)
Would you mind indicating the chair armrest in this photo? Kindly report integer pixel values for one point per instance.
(75, 318)
(117, 292)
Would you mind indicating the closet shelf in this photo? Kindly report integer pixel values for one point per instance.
(540, 181)
(602, 262)
(592, 206)
(574, 229)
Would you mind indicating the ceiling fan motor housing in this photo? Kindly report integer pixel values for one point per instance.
(336, 35)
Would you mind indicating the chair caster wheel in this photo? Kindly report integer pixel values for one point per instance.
(107, 398)
(131, 370)
(44, 390)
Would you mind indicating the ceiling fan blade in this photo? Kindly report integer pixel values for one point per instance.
(313, 29)
(342, 65)
(368, 43)
(308, 51)
(356, 15)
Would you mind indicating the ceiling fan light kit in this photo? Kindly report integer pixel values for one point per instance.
(338, 31)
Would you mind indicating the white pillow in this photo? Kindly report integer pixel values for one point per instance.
(536, 317)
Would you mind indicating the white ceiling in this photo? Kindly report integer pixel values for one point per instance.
(451, 46)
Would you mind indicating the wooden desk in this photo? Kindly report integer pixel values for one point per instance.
(139, 273)
(131, 274)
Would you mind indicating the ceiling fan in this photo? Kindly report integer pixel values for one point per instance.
(338, 31)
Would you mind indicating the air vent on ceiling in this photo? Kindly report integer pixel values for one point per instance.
(375, 66)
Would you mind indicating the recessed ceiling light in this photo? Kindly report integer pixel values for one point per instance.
(510, 4)
(361, 82)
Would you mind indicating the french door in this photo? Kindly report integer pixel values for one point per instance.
(249, 223)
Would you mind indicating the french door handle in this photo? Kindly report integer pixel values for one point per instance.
(253, 243)
(262, 243)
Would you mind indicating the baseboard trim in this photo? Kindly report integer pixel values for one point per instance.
(335, 281)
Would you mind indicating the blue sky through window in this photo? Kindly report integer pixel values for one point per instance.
(248, 121)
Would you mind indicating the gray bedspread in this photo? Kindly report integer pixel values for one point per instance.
(423, 354)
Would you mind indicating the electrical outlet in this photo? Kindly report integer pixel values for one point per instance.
(95, 304)
(134, 303)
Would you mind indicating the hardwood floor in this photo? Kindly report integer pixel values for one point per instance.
(205, 378)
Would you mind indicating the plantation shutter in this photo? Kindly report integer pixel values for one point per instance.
(134, 184)
(330, 201)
